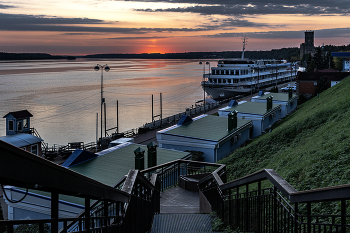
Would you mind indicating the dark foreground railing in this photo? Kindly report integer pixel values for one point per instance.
(248, 204)
(169, 173)
(141, 207)
(243, 204)
(129, 206)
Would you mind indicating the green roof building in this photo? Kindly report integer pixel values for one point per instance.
(288, 103)
(114, 163)
(263, 115)
(206, 133)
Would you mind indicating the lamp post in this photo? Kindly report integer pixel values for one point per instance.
(106, 68)
(206, 63)
(252, 70)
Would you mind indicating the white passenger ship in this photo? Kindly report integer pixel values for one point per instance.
(234, 77)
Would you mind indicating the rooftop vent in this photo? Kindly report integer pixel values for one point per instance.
(232, 120)
(184, 120)
(152, 154)
(139, 159)
(232, 103)
(269, 102)
(290, 93)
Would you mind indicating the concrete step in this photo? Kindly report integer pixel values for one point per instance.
(185, 223)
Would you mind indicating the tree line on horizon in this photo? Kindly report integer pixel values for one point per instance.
(290, 54)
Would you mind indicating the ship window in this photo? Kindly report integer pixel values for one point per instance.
(219, 80)
(213, 72)
(25, 123)
(11, 125)
(221, 72)
(229, 80)
(224, 80)
(210, 80)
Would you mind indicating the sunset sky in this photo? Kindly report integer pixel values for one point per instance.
(81, 27)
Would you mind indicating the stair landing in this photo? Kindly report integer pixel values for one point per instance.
(185, 223)
(179, 201)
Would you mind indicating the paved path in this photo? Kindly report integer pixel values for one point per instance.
(179, 201)
(185, 223)
(179, 212)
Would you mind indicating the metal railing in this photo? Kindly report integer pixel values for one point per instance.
(243, 204)
(170, 172)
(143, 205)
(249, 204)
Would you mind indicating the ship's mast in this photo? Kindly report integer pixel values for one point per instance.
(244, 42)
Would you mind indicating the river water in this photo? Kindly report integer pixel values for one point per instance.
(64, 96)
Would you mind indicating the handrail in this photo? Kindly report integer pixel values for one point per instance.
(93, 205)
(271, 209)
(320, 194)
(13, 157)
(180, 161)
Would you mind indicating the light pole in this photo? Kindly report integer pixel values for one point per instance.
(251, 81)
(106, 68)
(206, 63)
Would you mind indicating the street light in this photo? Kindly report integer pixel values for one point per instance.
(206, 63)
(97, 68)
(252, 70)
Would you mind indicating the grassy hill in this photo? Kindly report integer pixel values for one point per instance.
(309, 149)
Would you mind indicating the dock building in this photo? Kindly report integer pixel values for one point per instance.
(215, 136)
(262, 115)
(288, 101)
(310, 83)
(20, 134)
(346, 59)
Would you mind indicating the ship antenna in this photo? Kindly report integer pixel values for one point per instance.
(244, 43)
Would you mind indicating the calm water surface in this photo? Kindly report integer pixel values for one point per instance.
(64, 96)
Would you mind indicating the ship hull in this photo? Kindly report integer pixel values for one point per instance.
(224, 91)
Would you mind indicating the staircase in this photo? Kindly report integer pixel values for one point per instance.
(179, 212)
(166, 223)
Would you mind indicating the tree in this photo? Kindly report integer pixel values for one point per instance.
(319, 59)
(311, 65)
(329, 61)
(338, 63)
(321, 84)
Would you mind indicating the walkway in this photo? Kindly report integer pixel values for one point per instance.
(179, 201)
(179, 212)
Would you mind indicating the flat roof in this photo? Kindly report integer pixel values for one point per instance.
(252, 107)
(207, 127)
(277, 96)
(110, 167)
(21, 139)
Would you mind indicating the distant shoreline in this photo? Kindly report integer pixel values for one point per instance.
(284, 53)
(31, 56)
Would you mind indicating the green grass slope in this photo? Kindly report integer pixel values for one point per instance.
(309, 149)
